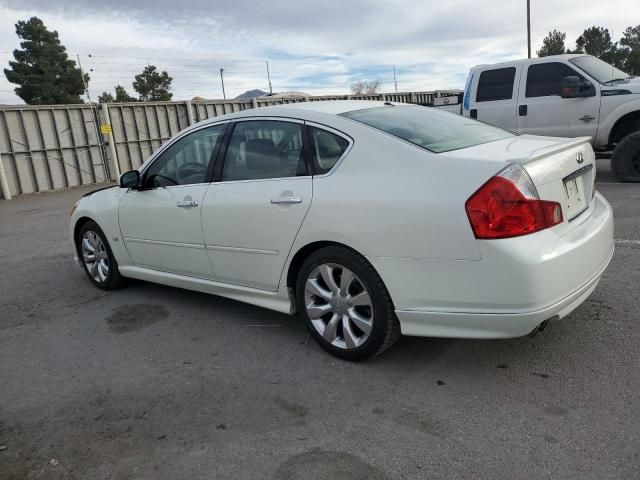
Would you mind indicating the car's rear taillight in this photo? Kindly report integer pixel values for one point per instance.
(508, 205)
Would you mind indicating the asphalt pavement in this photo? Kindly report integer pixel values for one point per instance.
(152, 382)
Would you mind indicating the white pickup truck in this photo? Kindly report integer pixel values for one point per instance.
(562, 96)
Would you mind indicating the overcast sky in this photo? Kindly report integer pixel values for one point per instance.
(312, 46)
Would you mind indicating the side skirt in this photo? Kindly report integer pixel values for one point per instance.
(260, 298)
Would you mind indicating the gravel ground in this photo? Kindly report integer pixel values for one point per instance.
(160, 383)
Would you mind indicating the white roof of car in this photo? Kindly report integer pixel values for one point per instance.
(314, 111)
(332, 107)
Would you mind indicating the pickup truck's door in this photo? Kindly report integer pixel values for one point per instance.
(541, 109)
(492, 95)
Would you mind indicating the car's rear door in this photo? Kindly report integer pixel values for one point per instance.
(253, 210)
(160, 224)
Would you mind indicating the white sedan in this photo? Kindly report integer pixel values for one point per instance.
(368, 219)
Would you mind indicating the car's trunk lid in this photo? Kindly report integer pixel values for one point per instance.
(562, 169)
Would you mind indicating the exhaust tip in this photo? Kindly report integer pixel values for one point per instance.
(542, 326)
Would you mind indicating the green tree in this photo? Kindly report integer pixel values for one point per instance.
(121, 96)
(596, 41)
(553, 44)
(631, 40)
(153, 86)
(42, 70)
(106, 97)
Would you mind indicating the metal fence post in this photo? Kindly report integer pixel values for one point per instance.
(6, 193)
(189, 112)
(112, 143)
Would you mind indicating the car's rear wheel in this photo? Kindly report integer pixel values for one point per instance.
(97, 258)
(345, 304)
(625, 161)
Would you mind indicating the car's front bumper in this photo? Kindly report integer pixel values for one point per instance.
(518, 283)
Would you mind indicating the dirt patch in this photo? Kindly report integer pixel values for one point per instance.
(318, 464)
(129, 318)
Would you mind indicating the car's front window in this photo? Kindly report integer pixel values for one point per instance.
(599, 70)
(429, 128)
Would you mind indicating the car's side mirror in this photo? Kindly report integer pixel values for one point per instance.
(572, 87)
(130, 179)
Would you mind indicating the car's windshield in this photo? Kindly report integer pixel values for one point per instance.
(428, 128)
(596, 68)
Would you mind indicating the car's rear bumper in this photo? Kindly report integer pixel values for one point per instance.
(490, 325)
(519, 283)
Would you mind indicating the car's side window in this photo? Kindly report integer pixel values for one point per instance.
(496, 84)
(327, 148)
(545, 79)
(186, 161)
(260, 149)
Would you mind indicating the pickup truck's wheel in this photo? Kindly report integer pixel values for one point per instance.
(345, 304)
(625, 161)
(97, 258)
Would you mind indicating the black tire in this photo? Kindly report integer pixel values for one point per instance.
(113, 278)
(625, 161)
(385, 328)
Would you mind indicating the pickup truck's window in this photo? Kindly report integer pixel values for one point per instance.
(601, 71)
(186, 161)
(327, 149)
(545, 79)
(429, 128)
(496, 84)
(263, 149)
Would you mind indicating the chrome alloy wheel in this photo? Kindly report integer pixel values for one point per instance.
(338, 306)
(95, 257)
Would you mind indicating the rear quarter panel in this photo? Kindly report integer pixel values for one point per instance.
(389, 198)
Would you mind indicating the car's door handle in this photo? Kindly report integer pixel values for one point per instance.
(522, 110)
(187, 203)
(587, 118)
(285, 200)
(473, 113)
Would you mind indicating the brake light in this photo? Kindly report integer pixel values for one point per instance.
(508, 205)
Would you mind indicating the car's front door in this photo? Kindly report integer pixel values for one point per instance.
(161, 224)
(541, 109)
(253, 210)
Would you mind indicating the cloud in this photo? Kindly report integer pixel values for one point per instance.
(318, 47)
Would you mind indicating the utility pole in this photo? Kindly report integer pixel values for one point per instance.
(269, 77)
(86, 90)
(395, 79)
(529, 27)
(222, 80)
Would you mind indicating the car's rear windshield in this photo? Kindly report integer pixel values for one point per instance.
(428, 128)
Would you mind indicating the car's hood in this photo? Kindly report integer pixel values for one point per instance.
(631, 85)
(98, 190)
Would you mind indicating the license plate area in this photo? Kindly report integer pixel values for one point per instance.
(577, 188)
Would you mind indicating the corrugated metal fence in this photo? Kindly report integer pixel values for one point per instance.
(46, 148)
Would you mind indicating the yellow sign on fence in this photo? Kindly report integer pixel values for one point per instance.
(105, 128)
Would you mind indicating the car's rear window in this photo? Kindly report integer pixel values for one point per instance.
(428, 128)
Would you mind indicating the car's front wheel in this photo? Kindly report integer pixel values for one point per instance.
(345, 304)
(97, 258)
